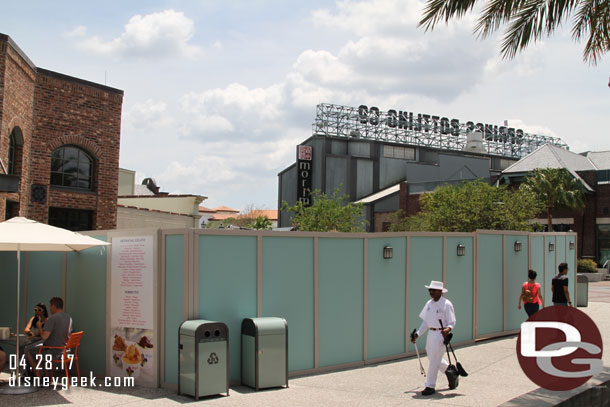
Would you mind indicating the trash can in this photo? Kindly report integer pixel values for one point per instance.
(582, 291)
(203, 358)
(264, 352)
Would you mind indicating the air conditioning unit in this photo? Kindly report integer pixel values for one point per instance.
(474, 142)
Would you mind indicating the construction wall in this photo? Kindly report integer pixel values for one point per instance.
(346, 306)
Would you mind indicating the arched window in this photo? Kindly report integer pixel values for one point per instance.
(12, 146)
(72, 167)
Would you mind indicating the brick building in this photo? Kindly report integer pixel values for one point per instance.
(592, 168)
(59, 145)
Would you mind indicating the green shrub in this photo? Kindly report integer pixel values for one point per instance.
(587, 266)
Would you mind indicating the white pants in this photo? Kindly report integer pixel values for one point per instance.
(435, 349)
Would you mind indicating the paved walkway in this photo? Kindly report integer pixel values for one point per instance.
(495, 379)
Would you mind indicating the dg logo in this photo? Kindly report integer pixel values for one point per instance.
(560, 348)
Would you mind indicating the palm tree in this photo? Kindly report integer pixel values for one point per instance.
(530, 20)
(555, 188)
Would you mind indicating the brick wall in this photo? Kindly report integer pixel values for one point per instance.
(53, 110)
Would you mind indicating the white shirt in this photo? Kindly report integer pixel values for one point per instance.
(435, 310)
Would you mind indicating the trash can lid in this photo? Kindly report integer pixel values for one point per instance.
(581, 279)
(264, 326)
(190, 327)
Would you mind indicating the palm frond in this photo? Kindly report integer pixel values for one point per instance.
(436, 11)
(593, 19)
(496, 13)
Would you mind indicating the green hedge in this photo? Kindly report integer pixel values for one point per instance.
(587, 266)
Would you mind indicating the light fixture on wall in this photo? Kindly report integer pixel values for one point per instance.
(461, 249)
(517, 246)
(571, 245)
(551, 247)
(387, 252)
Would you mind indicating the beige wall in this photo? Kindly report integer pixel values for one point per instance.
(132, 218)
(127, 179)
(188, 205)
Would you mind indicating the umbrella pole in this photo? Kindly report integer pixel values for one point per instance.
(17, 387)
(18, 301)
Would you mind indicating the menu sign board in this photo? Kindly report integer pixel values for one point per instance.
(132, 338)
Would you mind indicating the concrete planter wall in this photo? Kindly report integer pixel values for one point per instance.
(594, 277)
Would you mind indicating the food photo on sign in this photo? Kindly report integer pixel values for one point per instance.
(132, 353)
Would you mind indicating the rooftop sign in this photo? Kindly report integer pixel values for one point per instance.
(405, 127)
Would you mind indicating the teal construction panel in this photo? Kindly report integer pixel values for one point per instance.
(288, 292)
(425, 264)
(45, 280)
(227, 287)
(85, 302)
(490, 285)
(386, 297)
(459, 281)
(538, 266)
(341, 302)
(8, 299)
(174, 310)
(516, 274)
(550, 267)
(560, 248)
(570, 258)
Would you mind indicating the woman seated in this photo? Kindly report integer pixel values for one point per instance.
(40, 314)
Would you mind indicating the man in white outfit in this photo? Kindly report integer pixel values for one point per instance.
(437, 308)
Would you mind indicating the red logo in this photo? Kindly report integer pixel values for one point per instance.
(560, 348)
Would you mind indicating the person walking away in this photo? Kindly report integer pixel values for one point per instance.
(531, 294)
(561, 295)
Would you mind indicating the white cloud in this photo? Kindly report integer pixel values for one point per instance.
(162, 34)
(77, 32)
(151, 114)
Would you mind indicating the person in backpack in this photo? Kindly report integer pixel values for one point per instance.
(438, 309)
(531, 294)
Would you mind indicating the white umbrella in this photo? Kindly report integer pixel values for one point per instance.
(21, 234)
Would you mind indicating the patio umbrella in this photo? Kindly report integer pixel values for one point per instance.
(21, 234)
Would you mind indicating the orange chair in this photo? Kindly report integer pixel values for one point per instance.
(73, 343)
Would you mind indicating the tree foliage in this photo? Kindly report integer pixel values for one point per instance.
(327, 214)
(529, 21)
(471, 206)
(260, 223)
(555, 188)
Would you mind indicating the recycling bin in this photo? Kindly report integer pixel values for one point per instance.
(582, 291)
(203, 358)
(264, 352)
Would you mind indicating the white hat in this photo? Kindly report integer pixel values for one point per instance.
(436, 285)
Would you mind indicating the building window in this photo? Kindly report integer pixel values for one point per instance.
(401, 153)
(603, 177)
(71, 219)
(12, 147)
(72, 167)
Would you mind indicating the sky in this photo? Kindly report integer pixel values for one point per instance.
(219, 93)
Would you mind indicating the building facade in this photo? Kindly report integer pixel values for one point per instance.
(59, 145)
(593, 169)
(386, 159)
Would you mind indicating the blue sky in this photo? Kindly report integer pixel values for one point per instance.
(219, 93)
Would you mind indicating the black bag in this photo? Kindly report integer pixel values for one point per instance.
(453, 377)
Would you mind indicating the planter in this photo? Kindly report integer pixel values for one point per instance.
(594, 277)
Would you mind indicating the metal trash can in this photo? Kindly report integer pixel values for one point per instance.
(582, 291)
(264, 352)
(203, 358)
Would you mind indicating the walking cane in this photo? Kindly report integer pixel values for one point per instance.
(421, 367)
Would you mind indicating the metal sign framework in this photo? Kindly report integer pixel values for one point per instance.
(350, 122)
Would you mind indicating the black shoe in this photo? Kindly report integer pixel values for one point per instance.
(428, 391)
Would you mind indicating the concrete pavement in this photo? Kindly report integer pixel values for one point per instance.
(495, 379)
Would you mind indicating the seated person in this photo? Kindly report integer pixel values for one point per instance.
(55, 331)
(40, 314)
